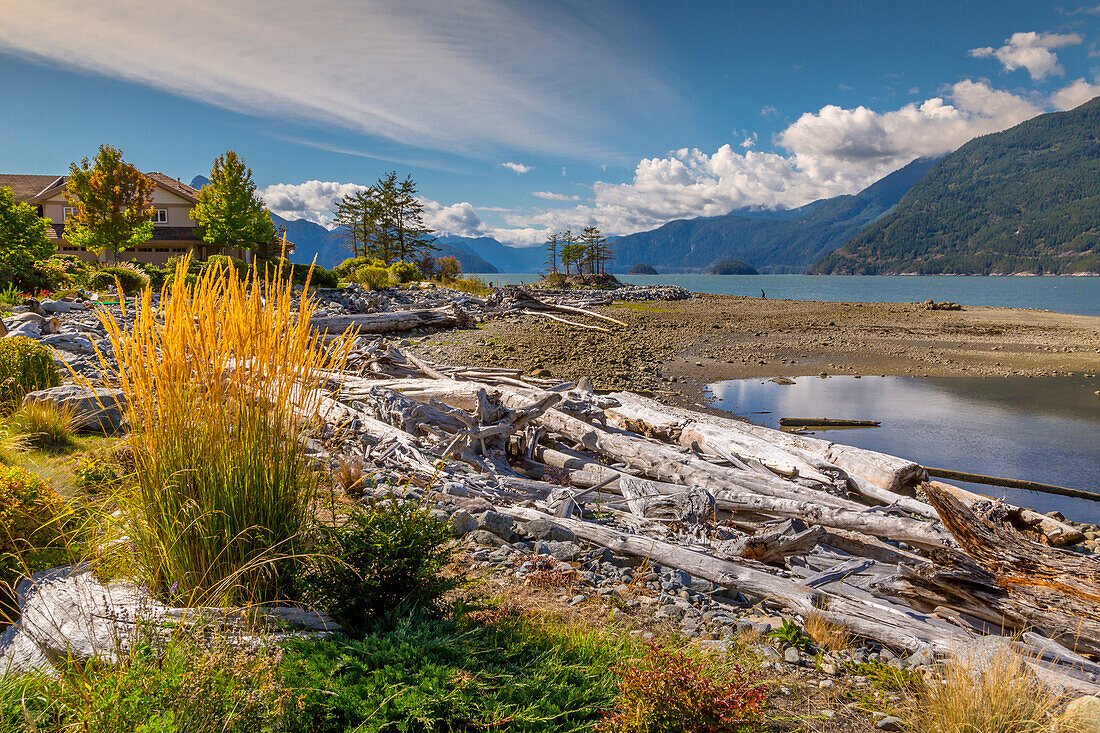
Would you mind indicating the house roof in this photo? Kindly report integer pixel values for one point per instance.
(175, 186)
(27, 187)
(35, 188)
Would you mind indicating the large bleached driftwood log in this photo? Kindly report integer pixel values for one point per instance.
(1007, 579)
(874, 475)
(391, 321)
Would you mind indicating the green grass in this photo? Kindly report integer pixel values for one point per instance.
(45, 426)
(514, 674)
(485, 671)
(641, 307)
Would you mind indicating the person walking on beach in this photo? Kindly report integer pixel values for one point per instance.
(762, 294)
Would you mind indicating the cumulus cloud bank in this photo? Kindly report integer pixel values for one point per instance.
(827, 153)
(313, 200)
(1032, 51)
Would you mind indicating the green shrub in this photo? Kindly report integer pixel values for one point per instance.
(185, 685)
(669, 692)
(384, 559)
(448, 268)
(433, 674)
(32, 529)
(77, 270)
(10, 295)
(404, 272)
(371, 277)
(44, 425)
(94, 475)
(345, 269)
(231, 264)
(25, 366)
(471, 284)
(156, 275)
(791, 633)
(132, 279)
(46, 276)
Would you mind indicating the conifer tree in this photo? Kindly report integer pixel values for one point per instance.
(229, 213)
(552, 243)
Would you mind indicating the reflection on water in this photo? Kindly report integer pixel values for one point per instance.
(1045, 430)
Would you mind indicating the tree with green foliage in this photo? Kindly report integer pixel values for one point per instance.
(572, 252)
(597, 250)
(552, 244)
(385, 222)
(229, 213)
(24, 237)
(112, 204)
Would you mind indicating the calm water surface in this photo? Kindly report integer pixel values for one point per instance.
(1039, 429)
(1079, 295)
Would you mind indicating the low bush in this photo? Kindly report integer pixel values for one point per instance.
(32, 529)
(132, 279)
(25, 366)
(95, 475)
(381, 560)
(10, 295)
(471, 284)
(345, 269)
(667, 691)
(447, 268)
(791, 633)
(404, 272)
(371, 277)
(510, 673)
(181, 685)
(44, 425)
(234, 265)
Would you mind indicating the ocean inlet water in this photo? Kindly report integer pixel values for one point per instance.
(1061, 294)
(1043, 429)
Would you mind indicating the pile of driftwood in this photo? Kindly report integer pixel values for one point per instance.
(466, 310)
(800, 524)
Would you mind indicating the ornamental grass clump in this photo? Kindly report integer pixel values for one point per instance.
(220, 381)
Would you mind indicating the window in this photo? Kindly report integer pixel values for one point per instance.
(161, 217)
(67, 212)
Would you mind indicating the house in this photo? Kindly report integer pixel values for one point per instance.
(173, 229)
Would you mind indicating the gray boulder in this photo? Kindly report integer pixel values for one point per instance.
(77, 343)
(544, 529)
(462, 523)
(94, 408)
(499, 524)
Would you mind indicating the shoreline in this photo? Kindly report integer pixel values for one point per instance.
(672, 349)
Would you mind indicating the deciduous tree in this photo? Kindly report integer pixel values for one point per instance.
(112, 204)
(23, 237)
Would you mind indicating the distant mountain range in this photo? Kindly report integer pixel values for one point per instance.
(1026, 200)
(771, 241)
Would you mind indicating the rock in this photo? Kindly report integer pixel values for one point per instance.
(454, 488)
(482, 537)
(921, 658)
(1085, 713)
(791, 655)
(889, 723)
(56, 306)
(462, 523)
(77, 343)
(544, 529)
(680, 579)
(499, 524)
(563, 550)
(97, 408)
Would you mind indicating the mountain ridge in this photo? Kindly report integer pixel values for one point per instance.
(1025, 200)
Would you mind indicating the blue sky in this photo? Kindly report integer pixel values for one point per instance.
(517, 118)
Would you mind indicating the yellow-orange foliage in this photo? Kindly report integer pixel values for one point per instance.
(221, 379)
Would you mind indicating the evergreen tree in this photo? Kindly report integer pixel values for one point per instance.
(229, 213)
(112, 204)
(552, 243)
(414, 238)
(599, 251)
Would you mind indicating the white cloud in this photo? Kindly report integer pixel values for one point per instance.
(517, 168)
(459, 219)
(768, 111)
(831, 152)
(313, 200)
(1074, 95)
(465, 77)
(1031, 51)
(551, 196)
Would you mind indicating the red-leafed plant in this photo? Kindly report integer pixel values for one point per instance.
(666, 690)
